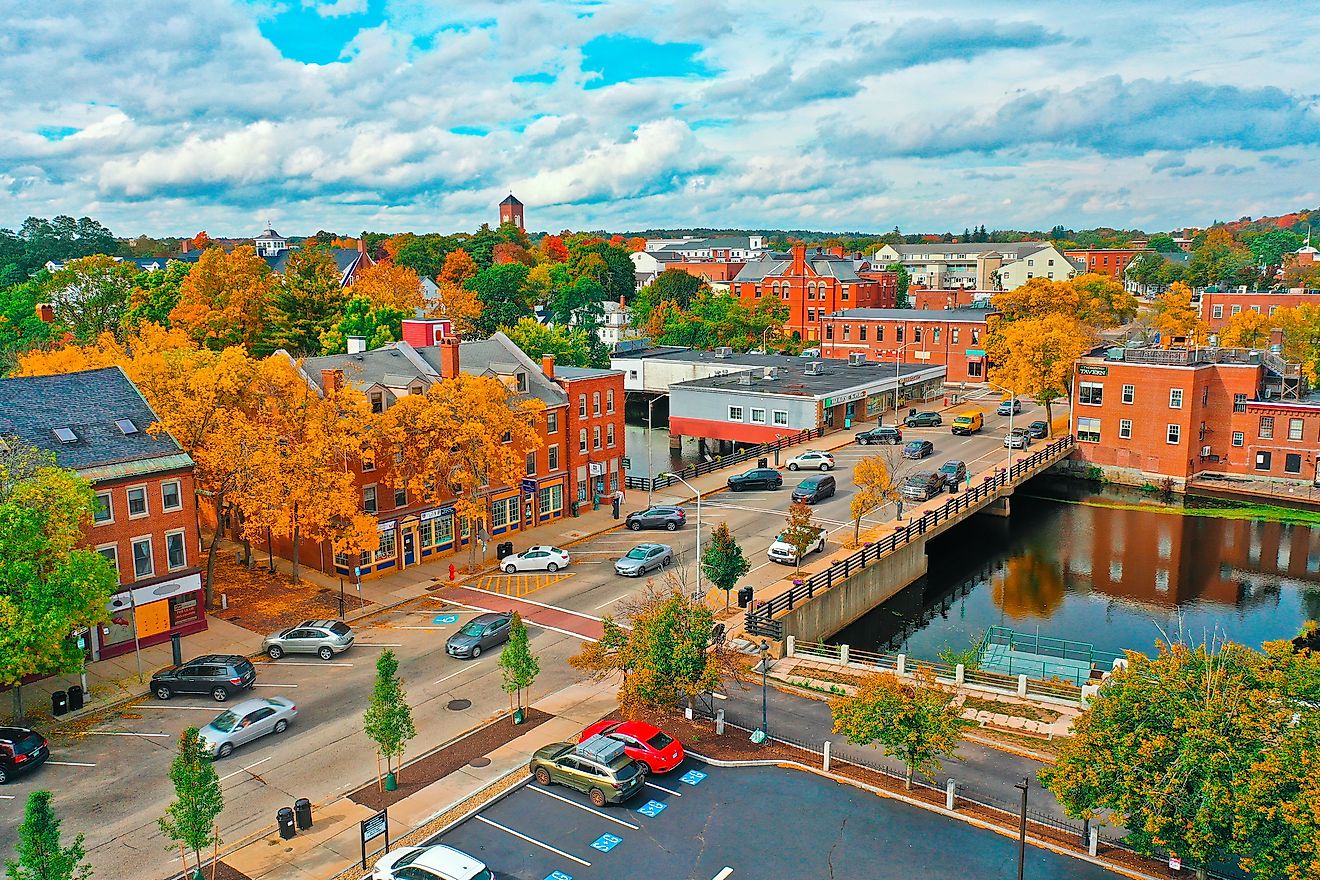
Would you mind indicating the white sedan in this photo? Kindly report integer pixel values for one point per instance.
(436, 862)
(536, 559)
(812, 460)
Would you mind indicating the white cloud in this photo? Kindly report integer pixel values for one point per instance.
(335, 8)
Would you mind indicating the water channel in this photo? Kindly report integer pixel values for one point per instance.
(1079, 563)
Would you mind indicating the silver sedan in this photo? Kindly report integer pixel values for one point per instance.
(246, 721)
(644, 558)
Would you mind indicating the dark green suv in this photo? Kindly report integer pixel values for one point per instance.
(601, 770)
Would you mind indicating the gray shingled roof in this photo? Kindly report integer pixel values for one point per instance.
(1014, 249)
(824, 265)
(89, 403)
(735, 242)
(344, 259)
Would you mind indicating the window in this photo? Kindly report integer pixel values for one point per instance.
(973, 368)
(1238, 438)
(401, 497)
(595, 437)
(170, 496)
(1294, 429)
(976, 335)
(1273, 309)
(552, 423)
(1091, 393)
(111, 553)
(378, 401)
(758, 416)
(531, 463)
(1266, 431)
(879, 333)
(137, 502)
(1235, 310)
(735, 414)
(398, 456)
(781, 417)
(935, 336)
(1175, 398)
(142, 564)
(1239, 403)
(1129, 393)
(1292, 463)
(507, 438)
(1175, 434)
(175, 556)
(595, 403)
(898, 334)
(861, 332)
(582, 406)
(369, 499)
(385, 546)
(609, 435)
(811, 314)
(829, 331)
(954, 334)
(550, 500)
(368, 463)
(504, 513)
(847, 331)
(1217, 311)
(582, 440)
(1125, 429)
(609, 401)
(1205, 395)
(916, 334)
(553, 454)
(104, 511)
(1256, 309)
(520, 380)
(1088, 430)
(1263, 461)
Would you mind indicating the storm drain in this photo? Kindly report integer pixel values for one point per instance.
(458, 705)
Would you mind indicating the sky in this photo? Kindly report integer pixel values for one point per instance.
(165, 118)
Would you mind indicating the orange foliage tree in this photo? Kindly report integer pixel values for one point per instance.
(389, 286)
(454, 301)
(553, 249)
(224, 299)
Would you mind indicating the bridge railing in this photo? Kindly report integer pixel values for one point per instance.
(760, 618)
(706, 467)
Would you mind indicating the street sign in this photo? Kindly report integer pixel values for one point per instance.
(372, 828)
(529, 485)
(627, 462)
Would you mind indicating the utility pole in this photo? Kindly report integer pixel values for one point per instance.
(1022, 827)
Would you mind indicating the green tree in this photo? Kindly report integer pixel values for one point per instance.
(503, 293)
(90, 295)
(723, 562)
(20, 328)
(155, 295)
(618, 276)
(672, 285)
(916, 722)
(570, 345)
(307, 301)
(425, 254)
(40, 854)
(1269, 248)
(378, 325)
(388, 719)
(1163, 244)
(801, 531)
(904, 282)
(198, 800)
(518, 665)
(481, 245)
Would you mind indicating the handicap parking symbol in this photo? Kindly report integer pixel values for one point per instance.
(559, 875)
(652, 809)
(606, 842)
(692, 777)
(446, 618)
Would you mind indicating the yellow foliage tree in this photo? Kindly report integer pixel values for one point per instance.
(1034, 357)
(1249, 329)
(459, 267)
(1102, 301)
(389, 286)
(224, 299)
(876, 484)
(460, 306)
(1174, 315)
(1301, 338)
(1093, 299)
(1038, 297)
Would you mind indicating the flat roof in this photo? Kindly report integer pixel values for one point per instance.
(974, 315)
(834, 377)
(696, 356)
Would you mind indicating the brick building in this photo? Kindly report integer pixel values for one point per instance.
(511, 211)
(1106, 261)
(934, 299)
(1218, 306)
(811, 285)
(952, 338)
(595, 428)
(145, 522)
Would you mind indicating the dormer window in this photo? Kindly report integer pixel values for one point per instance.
(521, 382)
(378, 401)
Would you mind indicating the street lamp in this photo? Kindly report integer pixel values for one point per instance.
(898, 361)
(764, 647)
(1012, 400)
(1022, 827)
(694, 490)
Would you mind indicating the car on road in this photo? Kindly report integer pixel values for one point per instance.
(536, 559)
(756, 478)
(661, 517)
(812, 460)
(1038, 430)
(918, 449)
(882, 434)
(21, 750)
(220, 675)
(953, 471)
(435, 862)
(923, 420)
(1018, 438)
(1010, 407)
(782, 551)
(922, 485)
(655, 750)
(968, 423)
(814, 489)
(243, 722)
(644, 559)
(324, 638)
(599, 767)
(481, 633)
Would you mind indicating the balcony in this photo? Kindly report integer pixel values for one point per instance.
(1185, 357)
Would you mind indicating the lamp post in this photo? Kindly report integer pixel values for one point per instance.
(1012, 401)
(1022, 827)
(699, 593)
(898, 361)
(764, 648)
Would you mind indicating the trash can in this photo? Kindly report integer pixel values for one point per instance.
(744, 596)
(302, 813)
(59, 703)
(573, 506)
(503, 549)
(75, 698)
(953, 487)
(284, 819)
(762, 462)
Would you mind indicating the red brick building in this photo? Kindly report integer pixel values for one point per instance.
(1218, 306)
(928, 299)
(952, 338)
(1106, 261)
(811, 285)
(595, 428)
(145, 522)
(511, 211)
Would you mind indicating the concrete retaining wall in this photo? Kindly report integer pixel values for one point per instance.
(835, 608)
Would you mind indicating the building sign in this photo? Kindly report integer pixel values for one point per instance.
(385, 526)
(437, 513)
(1093, 371)
(529, 485)
(975, 352)
(145, 595)
(844, 398)
(596, 468)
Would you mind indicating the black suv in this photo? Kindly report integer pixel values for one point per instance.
(668, 518)
(923, 420)
(220, 675)
(756, 478)
(879, 435)
(21, 750)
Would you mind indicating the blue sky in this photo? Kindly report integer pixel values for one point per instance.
(843, 115)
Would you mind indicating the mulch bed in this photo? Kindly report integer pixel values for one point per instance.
(225, 872)
(265, 602)
(446, 760)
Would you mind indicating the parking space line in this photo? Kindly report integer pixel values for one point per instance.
(6, 797)
(308, 663)
(584, 807)
(242, 770)
(180, 708)
(70, 764)
(724, 874)
(421, 627)
(123, 733)
(665, 790)
(533, 841)
(263, 684)
(378, 644)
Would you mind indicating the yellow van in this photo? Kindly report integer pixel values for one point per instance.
(968, 422)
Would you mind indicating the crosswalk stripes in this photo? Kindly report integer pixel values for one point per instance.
(516, 585)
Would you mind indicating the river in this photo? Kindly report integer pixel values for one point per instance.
(1080, 564)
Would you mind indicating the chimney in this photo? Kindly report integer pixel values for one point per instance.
(799, 252)
(332, 380)
(1276, 338)
(46, 313)
(448, 357)
(362, 245)
(548, 365)
(837, 250)
(357, 344)
(623, 304)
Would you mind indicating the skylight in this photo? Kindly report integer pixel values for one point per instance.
(126, 426)
(66, 435)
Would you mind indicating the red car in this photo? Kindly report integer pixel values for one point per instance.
(656, 750)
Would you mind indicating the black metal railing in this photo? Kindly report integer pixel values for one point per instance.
(759, 616)
(706, 467)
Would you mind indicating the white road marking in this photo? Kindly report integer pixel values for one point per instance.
(610, 602)
(724, 874)
(123, 733)
(532, 840)
(584, 807)
(243, 770)
(6, 797)
(163, 706)
(421, 627)
(70, 764)
(305, 663)
(378, 644)
(665, 790)
(262, 684)
(540, 605)
(450, 675)
(563, 632)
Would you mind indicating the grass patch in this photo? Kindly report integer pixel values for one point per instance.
(1029, 743)
(1017, 710)
(1254, 512)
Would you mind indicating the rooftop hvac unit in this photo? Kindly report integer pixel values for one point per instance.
(600, 749)
(744, 378)
(771, 372)
(724, 351)
(856, 357)
(813, 368)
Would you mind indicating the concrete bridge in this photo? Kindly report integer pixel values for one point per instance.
(831, 599)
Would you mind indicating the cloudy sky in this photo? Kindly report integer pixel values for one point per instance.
(168, 117)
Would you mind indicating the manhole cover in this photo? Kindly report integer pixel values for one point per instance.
(458, 705)
(480, 762)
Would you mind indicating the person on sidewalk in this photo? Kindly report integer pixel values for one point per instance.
(616, 502)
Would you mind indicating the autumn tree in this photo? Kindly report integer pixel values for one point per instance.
(569, 345)
(389, 286)
(1102, 302)
(1249, 329)
(1034, 357)
(876, 483)
(90, 295)
(1301, 338)
(552, 249)
(800, 531)
(1173, 314)
(225, 298)
(308, 299)
(1035, 299)
(458, 268)
(723, 562)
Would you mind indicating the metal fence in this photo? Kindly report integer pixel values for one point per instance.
(706, 467)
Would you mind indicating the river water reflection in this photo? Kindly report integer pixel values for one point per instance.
(1113, 577)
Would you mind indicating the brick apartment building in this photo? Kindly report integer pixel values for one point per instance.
(952, 338)
(935, 299)
(145, 522)
(811, 285)
(1146, 414)
(1218, 306)
(1106, 261)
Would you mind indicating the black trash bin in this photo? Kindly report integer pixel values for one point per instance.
(302, 813)
(762, 462)
(744, 596)
(503, 549)
(284, 819)
(75, 698)
(59, 703)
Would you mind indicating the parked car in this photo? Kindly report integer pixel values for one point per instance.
(814, 489)
(1012, 406)
(21, 750)
(756, 478)
(599, 767)
(923, 420)
(655, 750)
(919, 449)
(882, 434)
(324, 638)
(435, 862)
(246, 721)
(1018, 438)
(536, 559)
(968, 422)
(481, 633)
(662, 517)
(220, 675)
(1038, 430)
(782, 551)
(953, 471)
(812, 460)
(922, 485)
(643, 559)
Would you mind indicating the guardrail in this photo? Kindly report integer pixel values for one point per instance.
(760, 616)
(706, 467)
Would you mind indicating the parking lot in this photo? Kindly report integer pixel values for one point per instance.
(703, 822)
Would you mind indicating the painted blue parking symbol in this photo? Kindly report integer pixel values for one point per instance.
(559, 875)
(448, 618)
(606, 842)
(652, 809)
(692, 777)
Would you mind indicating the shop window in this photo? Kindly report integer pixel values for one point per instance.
(504, 513)
(1292, 463)
(385, 548)
(1088, 430)
(137, 502)
(176, 555)
(1125, 429)
(973, 368)
(170, 496)
(184, 609)
(103, 512)
(550, 500)
(143, 566)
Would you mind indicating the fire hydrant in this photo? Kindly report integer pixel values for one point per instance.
(452, 571)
